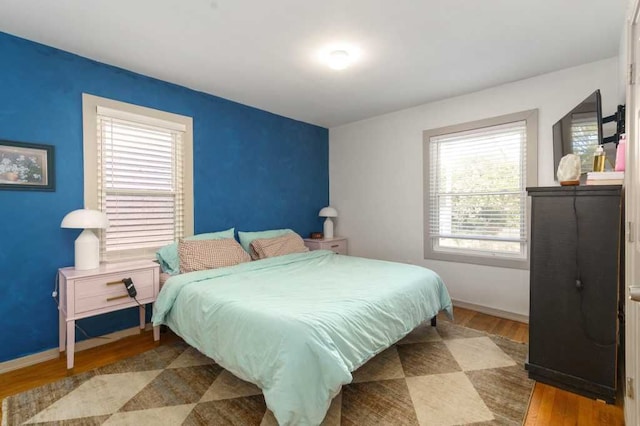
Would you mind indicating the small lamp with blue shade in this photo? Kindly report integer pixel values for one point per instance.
(328, 212)
(87, 245)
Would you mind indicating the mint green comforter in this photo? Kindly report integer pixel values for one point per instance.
(298, 325)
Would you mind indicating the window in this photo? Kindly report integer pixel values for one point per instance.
(138, 169)
(475, 196)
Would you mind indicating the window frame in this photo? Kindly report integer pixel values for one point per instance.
(90, 105)
(497, 260)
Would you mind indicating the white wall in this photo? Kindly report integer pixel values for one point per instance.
(622, 66)
(375, 174)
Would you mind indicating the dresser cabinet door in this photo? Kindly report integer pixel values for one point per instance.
(574, 285)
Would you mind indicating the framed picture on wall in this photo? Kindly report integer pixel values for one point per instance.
(26, 166)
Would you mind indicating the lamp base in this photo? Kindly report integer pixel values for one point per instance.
(87, 251)
(328, 228)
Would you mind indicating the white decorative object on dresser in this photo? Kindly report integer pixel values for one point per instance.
(97, 291)
(335, 244)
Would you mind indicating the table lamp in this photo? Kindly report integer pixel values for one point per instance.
(87, 245)
(328, 212)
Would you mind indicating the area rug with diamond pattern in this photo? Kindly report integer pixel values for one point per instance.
(444, 375)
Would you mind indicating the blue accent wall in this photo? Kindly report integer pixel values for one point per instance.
(252, 169)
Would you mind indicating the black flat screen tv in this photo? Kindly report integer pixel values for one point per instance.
(579, 132)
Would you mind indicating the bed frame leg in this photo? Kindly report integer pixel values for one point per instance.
(433, 321)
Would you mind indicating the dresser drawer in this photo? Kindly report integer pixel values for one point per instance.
(108, 290)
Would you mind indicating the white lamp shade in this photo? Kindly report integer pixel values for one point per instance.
(328, 212)
(85, 219)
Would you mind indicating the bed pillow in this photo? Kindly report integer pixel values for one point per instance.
(198, 255)
(247, 237)
(168, 255)
(263, 248)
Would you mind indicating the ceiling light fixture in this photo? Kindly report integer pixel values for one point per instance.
(339, 59)
(339, 55)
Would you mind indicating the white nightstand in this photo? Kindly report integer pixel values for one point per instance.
(335, 244)
(98, 291)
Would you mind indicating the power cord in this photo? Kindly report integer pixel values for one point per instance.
(88, 336)
(139, 304)
(580, 285)
(54, 294)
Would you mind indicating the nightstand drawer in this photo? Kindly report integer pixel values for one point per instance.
(108, 290)
(337, 245)
(120, 297)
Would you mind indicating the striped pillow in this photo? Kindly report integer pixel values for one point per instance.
(198, 255)
(262, 248)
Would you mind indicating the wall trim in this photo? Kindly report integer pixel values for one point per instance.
(492, 311)
(49, 354)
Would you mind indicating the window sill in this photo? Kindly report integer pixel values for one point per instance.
(494, 261)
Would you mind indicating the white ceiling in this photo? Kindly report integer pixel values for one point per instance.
(264, 53)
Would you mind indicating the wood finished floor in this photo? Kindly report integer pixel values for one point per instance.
(549, 405)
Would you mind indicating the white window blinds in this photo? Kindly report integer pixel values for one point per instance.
(477, 198)
(139, 183)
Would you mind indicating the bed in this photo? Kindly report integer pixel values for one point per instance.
(298, 325)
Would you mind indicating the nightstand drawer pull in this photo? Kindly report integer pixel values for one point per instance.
(335, 245)
(115, 282)
(109, 299)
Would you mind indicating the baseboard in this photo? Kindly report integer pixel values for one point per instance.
(49, 354)
(492, 311)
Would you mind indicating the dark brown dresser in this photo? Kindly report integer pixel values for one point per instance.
(575, 314)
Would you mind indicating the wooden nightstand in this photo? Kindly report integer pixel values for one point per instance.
(335, 244)
(98, 291)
